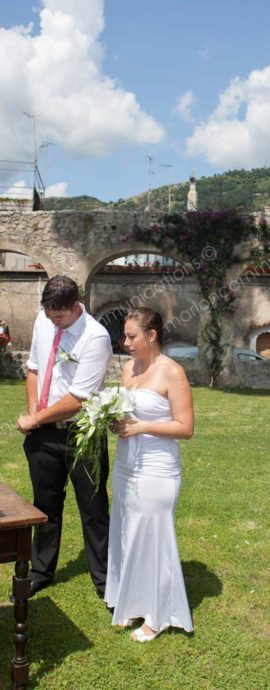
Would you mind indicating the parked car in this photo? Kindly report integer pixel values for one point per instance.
(179, 351)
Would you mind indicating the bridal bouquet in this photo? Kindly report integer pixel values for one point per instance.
(97, 413)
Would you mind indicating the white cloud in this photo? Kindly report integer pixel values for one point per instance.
(237, 133)
(19, 190)
(57, 76)
(58, 189)
(184, 105)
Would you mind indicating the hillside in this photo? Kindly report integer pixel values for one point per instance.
(73, 203)
(247, 190)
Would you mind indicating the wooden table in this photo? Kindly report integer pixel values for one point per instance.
(17, 517)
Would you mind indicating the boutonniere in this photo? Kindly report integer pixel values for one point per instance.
(63, 356)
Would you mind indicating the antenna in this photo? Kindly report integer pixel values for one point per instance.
(44, 149)
(44, 146)
(150, 172)
(37, 180)
(32, 117)
(168, 167)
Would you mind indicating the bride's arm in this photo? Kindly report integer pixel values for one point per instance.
(180, 398)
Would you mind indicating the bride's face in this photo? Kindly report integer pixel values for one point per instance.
(137, 341)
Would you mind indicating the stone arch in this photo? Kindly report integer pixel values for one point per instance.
(26, 249)
(78, 243)
(134, 248)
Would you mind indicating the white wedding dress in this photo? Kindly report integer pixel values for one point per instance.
(145, 577)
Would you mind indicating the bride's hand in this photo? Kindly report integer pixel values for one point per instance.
(130, 426)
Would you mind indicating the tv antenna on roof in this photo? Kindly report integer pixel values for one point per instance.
(168, 167)
(32, 117)
(38, 194)
(150, 172)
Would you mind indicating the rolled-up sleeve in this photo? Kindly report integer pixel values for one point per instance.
(92, 366)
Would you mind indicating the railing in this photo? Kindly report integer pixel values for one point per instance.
(115, 268)
(21, 196)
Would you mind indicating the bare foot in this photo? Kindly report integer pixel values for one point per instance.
(147, 631)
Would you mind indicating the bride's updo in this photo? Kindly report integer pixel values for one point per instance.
(148, 320)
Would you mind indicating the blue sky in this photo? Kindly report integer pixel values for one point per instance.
(187, 82)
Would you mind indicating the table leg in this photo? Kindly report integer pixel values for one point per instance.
(21, 591)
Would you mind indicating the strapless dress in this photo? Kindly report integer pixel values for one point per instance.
(145, 578)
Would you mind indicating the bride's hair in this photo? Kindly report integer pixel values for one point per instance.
(148, 320)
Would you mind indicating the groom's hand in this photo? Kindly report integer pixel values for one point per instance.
(26, 423)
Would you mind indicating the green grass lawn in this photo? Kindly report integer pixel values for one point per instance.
(222, 522)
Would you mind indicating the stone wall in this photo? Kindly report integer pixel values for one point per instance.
(254, 375)
(252, 310)
(20, 294)
(169, 293)
(246, 375)
(74, 242)
(178, 301)
(79, 244)
(13, 364)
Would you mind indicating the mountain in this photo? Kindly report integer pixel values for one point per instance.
(247, 190)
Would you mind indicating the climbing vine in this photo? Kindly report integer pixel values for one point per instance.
(209, 240)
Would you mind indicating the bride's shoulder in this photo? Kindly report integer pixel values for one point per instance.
(170, 366)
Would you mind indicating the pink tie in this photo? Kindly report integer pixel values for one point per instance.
(44, 396)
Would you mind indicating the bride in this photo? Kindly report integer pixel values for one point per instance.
(145, 579)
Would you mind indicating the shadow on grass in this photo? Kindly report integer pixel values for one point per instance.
(52, 637)
(200, 582)
(254, 392)
(74, 567)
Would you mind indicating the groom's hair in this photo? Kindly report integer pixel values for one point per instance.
(148, 320)
(60, 292)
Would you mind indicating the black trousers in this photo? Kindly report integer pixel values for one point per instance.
(50, 455)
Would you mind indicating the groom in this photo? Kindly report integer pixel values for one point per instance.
(55, 389)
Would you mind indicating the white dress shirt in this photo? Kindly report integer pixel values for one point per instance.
(86, 340)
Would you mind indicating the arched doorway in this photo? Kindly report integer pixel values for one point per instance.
(164, 285)
(113, 320)
(263, 344)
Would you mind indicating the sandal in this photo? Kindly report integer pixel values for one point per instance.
(139, 635)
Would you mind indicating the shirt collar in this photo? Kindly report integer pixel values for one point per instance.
(78, 325)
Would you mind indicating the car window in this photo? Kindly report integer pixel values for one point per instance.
(245, 356)
(175, 351)
(179, 352)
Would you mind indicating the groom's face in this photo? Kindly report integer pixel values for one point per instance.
(63, 318)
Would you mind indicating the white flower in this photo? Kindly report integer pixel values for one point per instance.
(64, 356)
(102, 408)
(92, 408)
